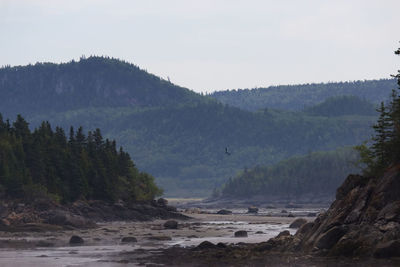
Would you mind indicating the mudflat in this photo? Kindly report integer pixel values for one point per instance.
(118, 243)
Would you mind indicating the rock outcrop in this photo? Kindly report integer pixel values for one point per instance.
(364, 220)
(47, 215)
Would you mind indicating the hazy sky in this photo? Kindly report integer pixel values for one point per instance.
(211, 45)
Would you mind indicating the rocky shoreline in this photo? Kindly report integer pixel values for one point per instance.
(361, 228)
(44, 215)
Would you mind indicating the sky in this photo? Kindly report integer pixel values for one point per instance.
(211, 45)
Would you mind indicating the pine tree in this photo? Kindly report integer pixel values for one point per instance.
(384, 133)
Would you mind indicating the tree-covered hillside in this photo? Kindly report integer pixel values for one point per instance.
(315, 174)
(184, 146)
(175, 134)
(47, 163)
(91, 82)
(341, 106)
(298, 97)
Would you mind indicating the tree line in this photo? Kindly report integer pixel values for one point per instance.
(45, 162)
(384, 149)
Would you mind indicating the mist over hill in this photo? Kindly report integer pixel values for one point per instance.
(174, 134)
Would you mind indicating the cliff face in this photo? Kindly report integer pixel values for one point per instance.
(364, 220)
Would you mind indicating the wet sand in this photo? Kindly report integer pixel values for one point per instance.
(103, 246)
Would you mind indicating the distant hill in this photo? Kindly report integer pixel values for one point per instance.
(297, 97)
(341, 106)
(174, 134)
(300, 178)
(91, 82)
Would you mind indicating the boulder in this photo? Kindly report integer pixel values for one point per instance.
(171, 224)
(241, 233)
(74, 240)
(205, 245)
(297, 223)
(291, 215)
(128, 239)
(224, 212)
(252, 209)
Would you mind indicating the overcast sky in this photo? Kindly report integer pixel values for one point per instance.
(209, 45)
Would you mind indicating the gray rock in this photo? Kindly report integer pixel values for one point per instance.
(241, 233)
(74, 240)
(297, 223)
(252, 209)
(224, 212)
(205, 245)
(171, 224)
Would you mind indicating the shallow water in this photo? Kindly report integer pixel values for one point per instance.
(109, 251)
(253, 231)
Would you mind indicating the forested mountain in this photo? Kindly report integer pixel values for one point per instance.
(46, 163)
(91, 82)
(312, 175)
(176, 135)
(298, 97)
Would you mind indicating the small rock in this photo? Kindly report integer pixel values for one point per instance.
(297, 223)
(284, 211)
(76, 240)
(259, 232)
(241, 233)
(224, 212)
(205, 245)
(291, 215)
(171, 224)
(312, 214)
(252, 209)
(128, 239)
